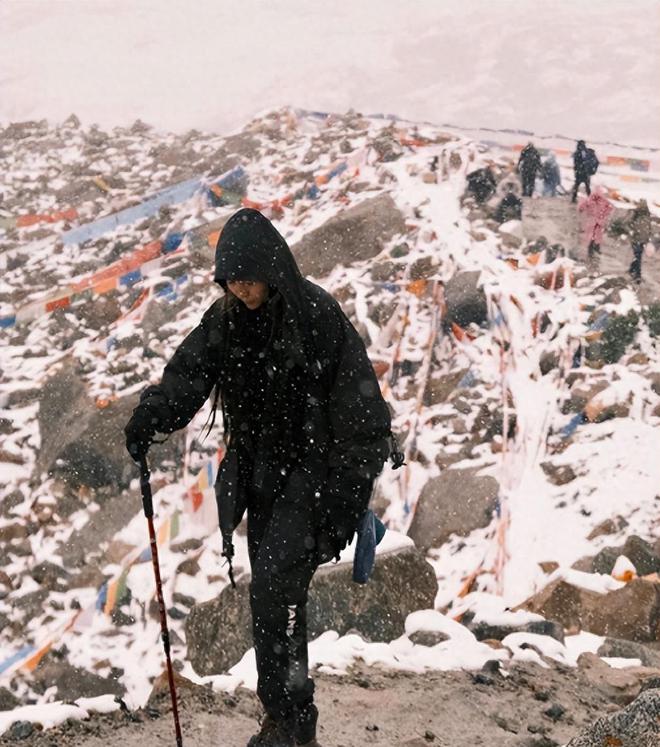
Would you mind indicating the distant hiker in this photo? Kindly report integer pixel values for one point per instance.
(529, 165)
(431, 176)
(595, 211)
(585, 165)
(639, 228)
(307, 432)
(551, 176)
(509, 183)
(481, 184)
(510, 208)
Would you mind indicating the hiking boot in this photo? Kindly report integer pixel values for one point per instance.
(274, 734)
(305, 726)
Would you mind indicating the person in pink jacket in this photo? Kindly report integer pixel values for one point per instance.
(595, 215)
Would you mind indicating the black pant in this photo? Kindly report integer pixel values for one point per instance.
(528, 183)
(635, 269)
(281, 545)
(581, 179)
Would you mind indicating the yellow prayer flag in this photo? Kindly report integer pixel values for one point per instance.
(32, 663)
(164, 532)
(417, 287)
(111, 597)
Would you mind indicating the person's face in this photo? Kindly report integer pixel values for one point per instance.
(252, 292)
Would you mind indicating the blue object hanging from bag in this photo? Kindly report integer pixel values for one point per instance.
(370, 532)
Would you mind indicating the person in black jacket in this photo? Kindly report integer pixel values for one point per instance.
(307, 432)
(510, 206)
(529, 165)
(481, 184)
(585, 165)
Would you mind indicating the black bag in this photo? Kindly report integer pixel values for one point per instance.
(591, 161)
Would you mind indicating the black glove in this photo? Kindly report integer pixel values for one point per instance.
(331, 540)
(327, 546)
(140, 431)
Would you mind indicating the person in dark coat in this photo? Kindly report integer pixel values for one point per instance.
(307, 432)
(529, 165)
(585, 165)
(640, 227)
(481, 184)
(510, 208)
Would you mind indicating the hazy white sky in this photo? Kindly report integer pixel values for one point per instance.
(584, 68)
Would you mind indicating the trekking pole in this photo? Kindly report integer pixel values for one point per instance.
(147, 504)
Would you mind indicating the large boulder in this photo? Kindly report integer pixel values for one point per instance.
(498, 631)
(64, 413)
(82, 441)
(564, 603)
(73, 682)
(631, 612)
(637, 725)
(642, 555)
(621, 685)
(353, 235)
(218, 632)
(465, 300)
(615, 647)
(8, 701)
(457, 502)
(101, 526)
(402, 582)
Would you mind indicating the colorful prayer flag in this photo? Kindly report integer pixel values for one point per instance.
(58, 303)
(417, 287)
(163, 532)
(175, 525)
(105, 286)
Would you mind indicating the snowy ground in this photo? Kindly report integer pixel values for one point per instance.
(370, 707)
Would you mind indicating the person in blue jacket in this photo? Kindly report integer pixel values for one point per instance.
(551, 176)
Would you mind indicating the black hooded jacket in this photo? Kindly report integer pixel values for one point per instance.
(529, 163)
(298, 393)
(584, 160)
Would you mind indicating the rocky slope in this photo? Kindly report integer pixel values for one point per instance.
(524, 387)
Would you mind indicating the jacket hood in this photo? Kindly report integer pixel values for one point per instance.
(251, 248)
